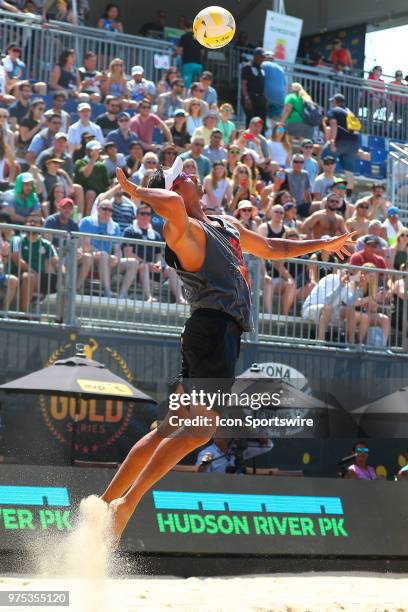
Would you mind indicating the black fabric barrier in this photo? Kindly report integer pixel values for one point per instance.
(214, 514)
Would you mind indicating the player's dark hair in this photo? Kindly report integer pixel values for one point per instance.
(157, 179)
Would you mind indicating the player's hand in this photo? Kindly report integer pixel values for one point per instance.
(338, 245)
(130, 188)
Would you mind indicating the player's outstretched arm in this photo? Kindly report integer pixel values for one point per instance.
(167, 204)
(277, 248)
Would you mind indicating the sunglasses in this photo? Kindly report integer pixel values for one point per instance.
(144, 214)
(243, 172)
(123, 120)
(364, 207)
(195, 104)
(298, 161)
(248, 210)
(15, 50)
(403, 235)
(362, 450)
(105, 208)
(329, 163)
(235, 151)
(4, 116)
(307, 147)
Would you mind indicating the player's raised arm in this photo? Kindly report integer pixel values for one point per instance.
(277, 248)
(167, 204)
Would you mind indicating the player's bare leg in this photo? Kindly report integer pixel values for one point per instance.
(167, 454)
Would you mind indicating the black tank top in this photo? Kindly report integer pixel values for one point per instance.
(222, 283)
(271, 234)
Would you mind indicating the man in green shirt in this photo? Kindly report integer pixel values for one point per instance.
(91, 173)
(35, 260)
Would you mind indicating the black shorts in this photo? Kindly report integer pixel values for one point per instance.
(210, 346)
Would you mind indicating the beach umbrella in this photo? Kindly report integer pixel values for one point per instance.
(385, 417)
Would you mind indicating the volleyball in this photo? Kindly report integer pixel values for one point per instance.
(214, 27)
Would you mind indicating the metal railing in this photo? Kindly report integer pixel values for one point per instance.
(41, 44)
(397, 178)
(123, 284)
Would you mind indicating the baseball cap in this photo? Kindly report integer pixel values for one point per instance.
(84, 106)
(123, 115)
(306, 141)
(338, 97)
(54, 159)
(370, 239)
(179, 112)
(393, 211)
(339, 181)
(289, 206)
(211, 114)
(93, 144)
(65, 202)
(13, 45)
(26, 177)
(256, 120)
(259, 51)
(296, 156)
(137, 70)
(59, 135)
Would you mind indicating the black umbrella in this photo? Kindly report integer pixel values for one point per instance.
(81, 378)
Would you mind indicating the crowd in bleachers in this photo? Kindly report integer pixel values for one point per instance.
(61, 142)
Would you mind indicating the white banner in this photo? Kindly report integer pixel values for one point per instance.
(282, 35)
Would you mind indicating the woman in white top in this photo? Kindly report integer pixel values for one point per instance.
(217, 188)
(280, 147)
(194, 118)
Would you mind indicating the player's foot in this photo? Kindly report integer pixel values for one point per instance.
(119, 515)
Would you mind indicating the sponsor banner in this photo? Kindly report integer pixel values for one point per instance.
(282, 35)
(184, 511)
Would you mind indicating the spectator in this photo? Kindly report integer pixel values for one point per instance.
(253, 87)
(346, 208)
(343, 141)
(195, 116)
(168, 155)
(170, 101)
(333, 300)
(8, 167)
(225, 124)
(29, 127)
(378, 203)
(191, 56)
(45, 138)
(324, 182)
(84, 124)
(297, 182)
(64, 77)
(150, 258)
(360, 470)
(375, 229)
(179, 133)
(90, 77)
(392, 224)
(113, 160)
(377, 96)
(15, 68)
(215, 151)
(210, 95)
(19, 109)
(217, 188)
(63, 13)
(215, 457)
(400, 297)
(327, 221)
(275, 87)
(294, 112)
(300, 273)
(155, 27)
(91, 173)
(8, 282)
(233, 155)
(58, 149)
(116, 81)
(55, 174)
(123, 137)
(369, 300)
(242, 186)
(277, 279)
(280, 147)
(311, 166)
(289, 207)
(58, 100)
(164, 84)
(247, 158)
(256, 142)
(144, 123)
(190, 167)
(150, 161)
(109, 20)
(359, 222)
(196, 153)
(331, 263)
(55, 195)
(62, 220)
(400, 249)
(36, 259)
(135, 157)
(246, 214)
(81, 152)
(106, 253)
(21, 201)
(108, 121)
(7, 133)
(398, 102)
(368, 254)
(197, 91)
(340, 55)
(123, 209)
(209, 124)
(139, 87)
